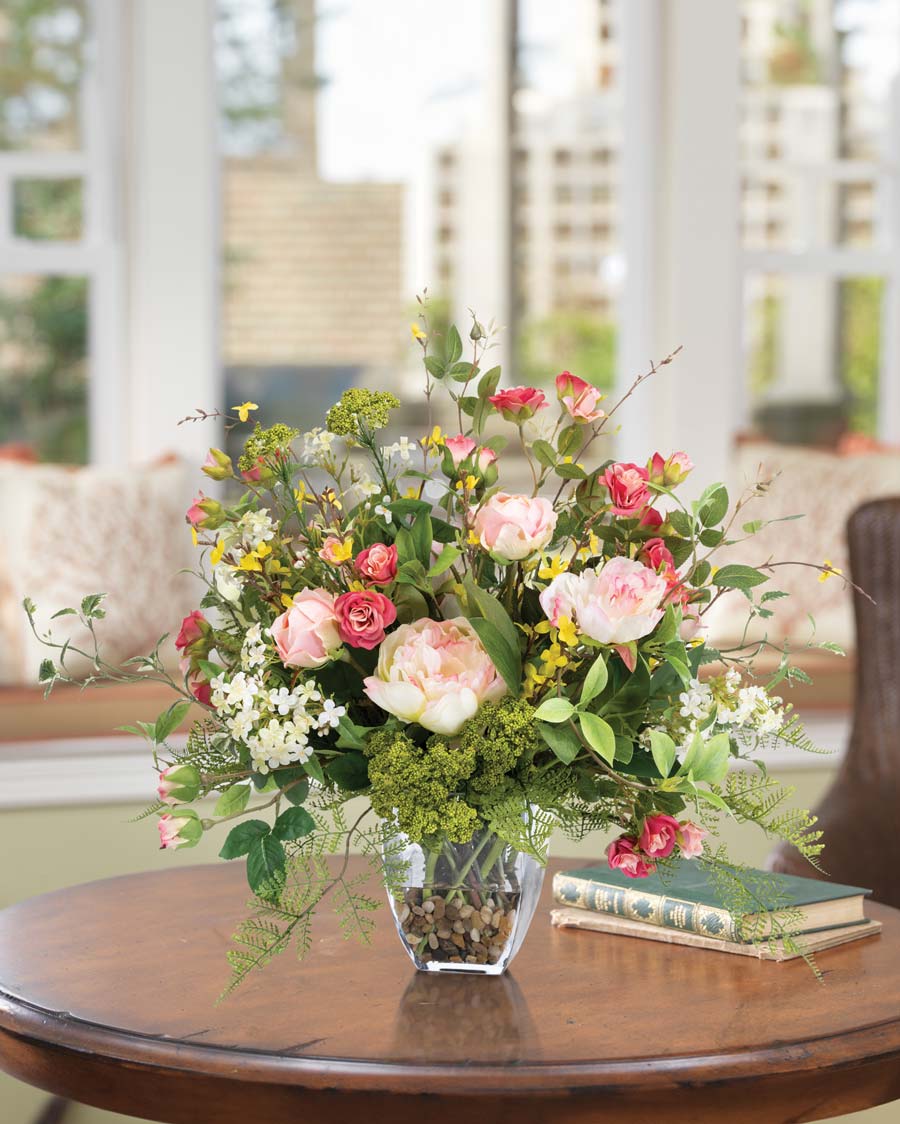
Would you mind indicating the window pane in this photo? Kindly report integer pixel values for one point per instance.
(42, 45)
(47, 209)
(807, 384)
(43, 366)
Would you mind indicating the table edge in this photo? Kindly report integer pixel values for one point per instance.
(53, 1031)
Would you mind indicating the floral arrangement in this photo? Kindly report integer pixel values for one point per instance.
(386, 621)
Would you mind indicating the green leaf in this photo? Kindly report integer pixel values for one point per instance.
(142, 730)
(314, 769)
(713, 798)
(563, 740)
(241, 838)
(232, 800)
(453, 348)
(545, 453)
(90, 606)
(209, 669)
(830, 646)
(64, 613)
(350, 771)
(434, 367)
(170, 720)
(713, 760)
(555, 710)
(463, 372)
(482, 604)
(682, 523)
(507, 660)
(753, 526)
(569, 440)
(599, 735)
(487, 385)
(444, 560)
(350, 736)
(422, 538)
(265, 859)
(712, 507)
(663, 749)
(570, 472)
(738, 577)
(595, 680)
(297, 793)
(47, 671)
(711, 537)
(624, 749)
(406, 547)
(693, 751)
(293, 823)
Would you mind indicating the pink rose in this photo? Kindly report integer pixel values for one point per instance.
(580, 399)
(485, 459)
(669, 471)
(628, 491)
(363, 616)
(651, 518)
(659, 835)
(335, 551)
(615, 604)
(622, 854)
(459, 448)
(193, 627)
(181, 830)
(658, 557)
(690, 839)
(435, 673)
(306, 634)
(377, 564)
(178, 784)
(519, 403)
(513, 527)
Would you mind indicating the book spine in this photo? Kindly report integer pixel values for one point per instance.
(652, 909)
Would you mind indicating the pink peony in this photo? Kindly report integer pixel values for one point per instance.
(690, 839)
(622, 854)
(659, 835)
(580, 399)
(193, 627)
(435, 673)
(513, 527)
(363, 616)
(628, 491)
(615, 604)
(377, 564)
(306, 634)
(519, 403)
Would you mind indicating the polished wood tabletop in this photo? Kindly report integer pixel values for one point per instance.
(107, 996)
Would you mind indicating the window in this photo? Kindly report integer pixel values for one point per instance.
(820, 253)
(59, 316)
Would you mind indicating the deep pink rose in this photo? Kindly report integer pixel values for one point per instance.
(690, 839)
(363, 616)
(519, 403)
(306, 634)
(193, 627)
(628, 491)
(580, 399)
(377, 564)
(622, 854)
(669, 471)
(651, 518)
(659, 835)
(657, 556)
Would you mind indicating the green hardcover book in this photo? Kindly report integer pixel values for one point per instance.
(687, 900)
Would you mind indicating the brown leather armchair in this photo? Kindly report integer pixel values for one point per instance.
(860, 813)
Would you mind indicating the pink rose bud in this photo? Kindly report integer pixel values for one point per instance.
(580, 399)
(217, 465)
(622, 854)
(206, 513)
(486, 457)
(179, 784)
(690, 839)
(260, 473)
(514, 527)
(183, 829)
(627, 486)
(363, 616)
(377, 564)
(657, 556)
(195, 681)
(693, 625)
(651, 518)
(459, 448)
(194, 627)
(659, 835)
(669, 471)
(306, 635)
(519, 403)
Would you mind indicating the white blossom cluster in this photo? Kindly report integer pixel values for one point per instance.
(317, 444)
(253, 528)
(729, 704)
(273, 722)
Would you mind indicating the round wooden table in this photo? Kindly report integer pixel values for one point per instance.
(107, 997)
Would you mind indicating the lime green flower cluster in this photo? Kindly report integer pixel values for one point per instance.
(431, 789)
(266, 443)
(359, 407)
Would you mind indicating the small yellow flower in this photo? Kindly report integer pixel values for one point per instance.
(830, 571)
(273, 566)
(417, 333)
(262, 550)
(568, 634)
(194, 538)
(250, 562)
(553, 567)
(468, 485)
(243, 411)
(542, 628)
(218, 550)
(287, 600)
(433, 440)
(554, 657)
(301, 496)
(341, 552)
(412, 493)
(473, 539)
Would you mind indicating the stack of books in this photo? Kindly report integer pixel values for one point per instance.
(685, 909)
